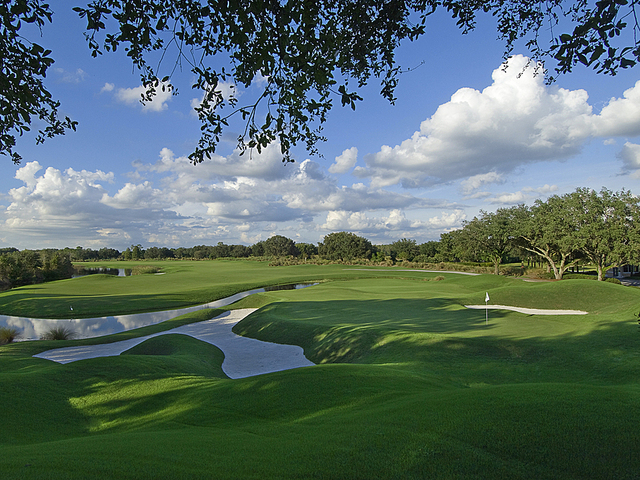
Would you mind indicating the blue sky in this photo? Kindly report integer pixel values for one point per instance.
(463, 136)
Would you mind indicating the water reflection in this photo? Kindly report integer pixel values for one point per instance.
(34, 328)
(84, 271)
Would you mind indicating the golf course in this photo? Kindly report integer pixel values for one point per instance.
(408, 382)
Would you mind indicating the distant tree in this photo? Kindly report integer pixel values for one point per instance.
(20, 268)
(405, 249)
(56, 266)
(279, 246)
(607, 226)
(550, 232)
(202, 251)
(240, 251)
(126, 255)
(152, 253)
(345, 246)
(306, 250)
(221, 250)
(491, 236)
(257, 249)
(448, 250)
(80, 254)
(137, 253)
(429, 249)
(182, 252)
(108, 253)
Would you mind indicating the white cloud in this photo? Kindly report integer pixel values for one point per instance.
(72, 207)
(517, 120)
(108, 87)
(630, 156)
(526, 195)
(621, 116)
(176, 203)
(511, 198)
(448, 221)
(133, 96)
(346, 161)
(136, 197)
(266, 165)
(393, 225)
(473, 183)
(70, 77)
(546, 188)
(348, 221)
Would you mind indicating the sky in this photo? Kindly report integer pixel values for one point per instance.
(464, 135)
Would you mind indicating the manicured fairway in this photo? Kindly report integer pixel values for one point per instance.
(410, 384)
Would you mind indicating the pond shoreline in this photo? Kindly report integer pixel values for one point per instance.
(34, 328)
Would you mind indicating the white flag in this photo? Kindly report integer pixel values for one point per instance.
(486, 298)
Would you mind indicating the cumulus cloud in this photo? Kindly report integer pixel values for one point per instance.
(517, 120)
(74, 206)
(133, 96)
(264, 186)
(108, 87)
(174, 203)
(621, 116)
(136, 197)
(630, 156)
(393, 225)
(345, 162)
(471, 184)
(526, 195)
(266, 165)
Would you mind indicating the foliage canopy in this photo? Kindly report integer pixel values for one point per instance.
(306, 54)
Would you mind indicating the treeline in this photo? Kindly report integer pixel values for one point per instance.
(27, 267)
(584, 227)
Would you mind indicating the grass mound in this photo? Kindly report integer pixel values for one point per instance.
(186, 354)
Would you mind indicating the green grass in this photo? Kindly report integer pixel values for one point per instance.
(410, 384)
(183, 283)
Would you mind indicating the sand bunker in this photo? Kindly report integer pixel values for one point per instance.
(529, 311)
(243, 357)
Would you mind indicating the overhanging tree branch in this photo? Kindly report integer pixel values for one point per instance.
(313, 52)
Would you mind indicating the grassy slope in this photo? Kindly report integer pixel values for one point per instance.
(183, 283)
(431, 392)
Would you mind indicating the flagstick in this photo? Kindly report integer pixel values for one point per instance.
(486, 308)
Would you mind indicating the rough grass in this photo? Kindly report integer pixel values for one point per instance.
(59, 333)
(411, 385)
(8, 335)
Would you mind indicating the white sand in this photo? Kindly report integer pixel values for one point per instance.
(529, 311)
(243, 357)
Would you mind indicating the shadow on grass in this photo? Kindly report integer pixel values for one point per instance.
(347, 331)
(443, 337)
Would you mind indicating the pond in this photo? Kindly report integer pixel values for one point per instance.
(34, 328)
(84, 271)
